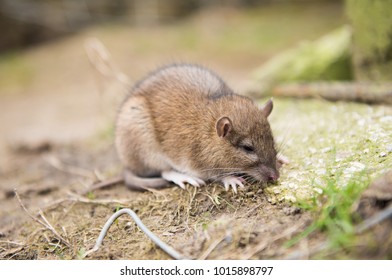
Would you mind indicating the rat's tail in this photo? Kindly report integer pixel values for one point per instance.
(102, 62)
(140, 183)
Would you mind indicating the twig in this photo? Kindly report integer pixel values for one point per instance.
(11, 242)
(100, 59)
(103, 184)
(13, 252)
(299, 254)
(80, 199)
(166, 248)
(45, 224)
(211, 248)
(372, 93)
(98, 175)
(253, 208)
(56, 163)
(374, 220)
(261, 246)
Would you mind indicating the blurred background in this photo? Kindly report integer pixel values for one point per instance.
(50, 92)
(27, 22)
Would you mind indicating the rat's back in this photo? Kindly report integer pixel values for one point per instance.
(187, 79)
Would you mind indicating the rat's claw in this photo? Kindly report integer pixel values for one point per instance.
(226, 185)
(233, 182)
(234, 186)
(180, 184)
(180, 179)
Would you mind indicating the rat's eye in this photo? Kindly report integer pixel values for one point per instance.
(247, 148)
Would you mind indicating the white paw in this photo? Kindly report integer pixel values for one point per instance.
(233, 182)
(282, 159)
(180, 179)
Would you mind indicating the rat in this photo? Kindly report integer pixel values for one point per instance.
(183, 124)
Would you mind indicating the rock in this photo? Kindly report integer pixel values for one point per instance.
(381, 188)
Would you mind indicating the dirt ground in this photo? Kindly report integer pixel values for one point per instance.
(56, 140)
(200, 223)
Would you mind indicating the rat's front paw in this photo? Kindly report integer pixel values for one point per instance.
(233, 182)
(180, 179)
(281, 160)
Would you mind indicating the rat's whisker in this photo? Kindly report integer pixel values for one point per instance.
(219, 177)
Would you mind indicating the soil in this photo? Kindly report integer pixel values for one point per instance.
(207, 222)
(56, 140)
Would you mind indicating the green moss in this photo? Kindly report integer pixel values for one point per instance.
(372, 44)
(325, 141)
(335, 150)
(327, 58)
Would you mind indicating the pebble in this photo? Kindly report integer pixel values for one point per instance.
(277, 191)
(318, 190)
(290, 198)
(355, 167)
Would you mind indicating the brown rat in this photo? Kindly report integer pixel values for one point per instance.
(183, 124)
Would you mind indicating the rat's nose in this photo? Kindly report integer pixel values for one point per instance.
(269, 174)
(273, 176)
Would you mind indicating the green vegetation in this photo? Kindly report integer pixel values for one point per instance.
(16, 72)
(336, 150)
(324, 139)
(333, 210)
(327, 58)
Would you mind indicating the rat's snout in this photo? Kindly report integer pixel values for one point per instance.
(272, 177)
(269, 174)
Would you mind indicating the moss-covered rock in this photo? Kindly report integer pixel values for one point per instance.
(327, 58)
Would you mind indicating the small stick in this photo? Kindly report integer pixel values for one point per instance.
(11, 242)
(106, 183)
(56, 163)
(374, 220)
(211, 248)
(99, 57)
(371, 93)
(261, 246)
(46, 224)
(166, 248)
(80, 199)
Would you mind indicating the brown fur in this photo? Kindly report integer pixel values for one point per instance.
(169, 122)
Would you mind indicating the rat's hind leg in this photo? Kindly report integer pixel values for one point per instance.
(180, 179)
(135, 182)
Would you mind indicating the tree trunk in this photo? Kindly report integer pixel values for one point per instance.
(372, 38)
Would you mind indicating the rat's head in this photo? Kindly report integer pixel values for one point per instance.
(247, 143)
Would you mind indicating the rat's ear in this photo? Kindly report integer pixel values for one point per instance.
(223, 126)
(267, 108)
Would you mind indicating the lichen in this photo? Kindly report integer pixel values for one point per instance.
(326, 140)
